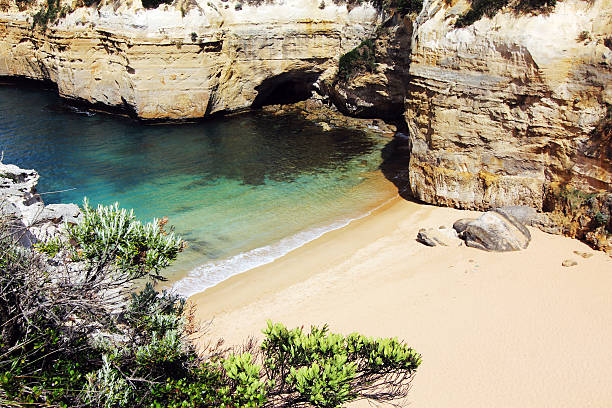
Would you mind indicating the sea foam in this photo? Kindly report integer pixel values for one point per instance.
(212, 273)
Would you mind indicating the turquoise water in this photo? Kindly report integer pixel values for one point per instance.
(241, 190)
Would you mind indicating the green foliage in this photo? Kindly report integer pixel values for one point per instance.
(75, 333)
(328, 370)
(50, 247)
(600, 219)
(46, 14)
(110, 234)
(361, 58)
(573, 197)
(151, 4)
(489, 8)
(248, 388)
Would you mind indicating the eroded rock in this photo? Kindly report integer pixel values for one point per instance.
(493, 231)
(178, 62)
(28, 219)
(438, 236)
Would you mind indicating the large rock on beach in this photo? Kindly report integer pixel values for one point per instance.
(493, 231)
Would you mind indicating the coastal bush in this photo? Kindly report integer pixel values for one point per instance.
(489, 8)
(75, 331)
(360, 59)
(327, 370)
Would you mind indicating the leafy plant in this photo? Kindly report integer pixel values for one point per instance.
(113, 235)
(74, 332)
(489, 8)
(50, 247)
(361, 58)
(327, 370)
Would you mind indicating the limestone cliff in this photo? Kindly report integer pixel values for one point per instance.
(498, 112)
(185, 60)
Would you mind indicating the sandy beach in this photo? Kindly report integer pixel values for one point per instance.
(495, 329)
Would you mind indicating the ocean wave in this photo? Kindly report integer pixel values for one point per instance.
(212, 273)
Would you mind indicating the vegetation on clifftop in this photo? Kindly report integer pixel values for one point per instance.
(489, 8)
(74, 333)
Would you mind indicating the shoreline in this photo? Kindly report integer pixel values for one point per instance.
(494, 329)
(205, 276)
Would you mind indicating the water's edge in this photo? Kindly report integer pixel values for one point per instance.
(211, 274)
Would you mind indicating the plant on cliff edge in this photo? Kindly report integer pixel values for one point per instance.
(489, 8)
(360, 59)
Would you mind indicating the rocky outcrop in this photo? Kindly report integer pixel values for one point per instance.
(187, 60)
(21, 207)
(379, 92)
(499, 111)
(493, 231)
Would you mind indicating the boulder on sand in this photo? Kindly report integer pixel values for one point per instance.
(493, 231)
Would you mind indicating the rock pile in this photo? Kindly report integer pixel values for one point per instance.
(29, 220)
(501, 229)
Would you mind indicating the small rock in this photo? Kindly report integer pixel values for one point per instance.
(325, 126)
(569, 262)
(433, 237)
(583, 254)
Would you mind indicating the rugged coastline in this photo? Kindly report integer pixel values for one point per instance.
(498, 112)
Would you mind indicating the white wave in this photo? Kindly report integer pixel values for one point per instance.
(212, 273)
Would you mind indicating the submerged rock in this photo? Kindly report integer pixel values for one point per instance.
(493, 231)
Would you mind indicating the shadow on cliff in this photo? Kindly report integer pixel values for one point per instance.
(396, 163)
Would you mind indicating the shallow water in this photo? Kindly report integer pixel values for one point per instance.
(241, 190)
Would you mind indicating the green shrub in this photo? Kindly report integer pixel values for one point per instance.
(74, 332)
(50, 247)
(361, 58)
(47, 14)
(489, 8)
(110, 234)
(328, 370)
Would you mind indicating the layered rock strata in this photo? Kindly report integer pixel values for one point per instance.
(502, 111)
(188, 60)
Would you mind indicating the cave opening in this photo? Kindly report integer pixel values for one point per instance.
(286, 88)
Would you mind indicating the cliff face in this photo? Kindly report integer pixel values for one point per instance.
(188, 60)
(500, 112)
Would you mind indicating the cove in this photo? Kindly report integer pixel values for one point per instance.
(241, 190)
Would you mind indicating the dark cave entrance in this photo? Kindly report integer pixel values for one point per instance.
(286, 88)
